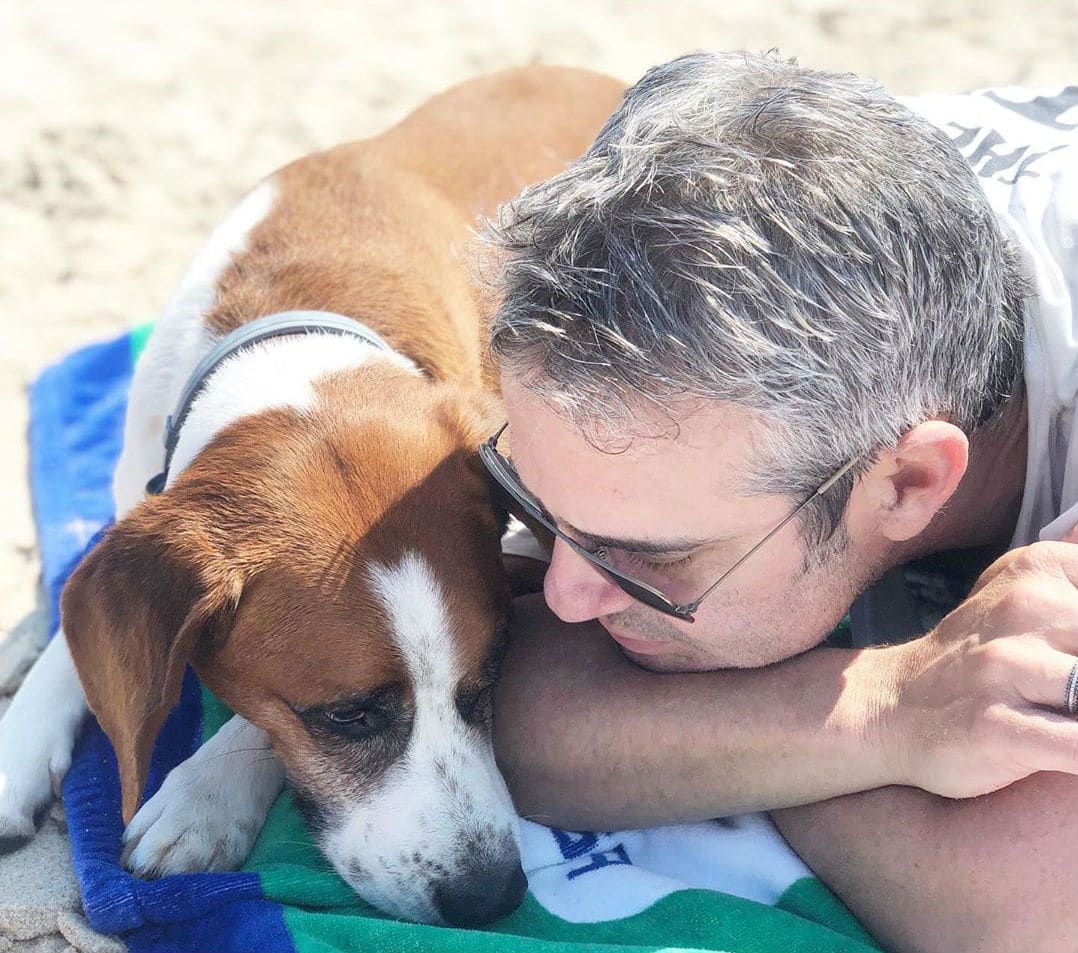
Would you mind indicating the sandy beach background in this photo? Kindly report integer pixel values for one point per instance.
(128, 128)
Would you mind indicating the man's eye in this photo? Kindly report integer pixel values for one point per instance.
(639, 561)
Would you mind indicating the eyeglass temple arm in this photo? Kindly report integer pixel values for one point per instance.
(689, 608)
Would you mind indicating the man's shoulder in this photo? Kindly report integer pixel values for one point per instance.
(1022, 144)
(1007, 134)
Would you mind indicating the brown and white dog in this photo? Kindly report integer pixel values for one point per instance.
(325, 552)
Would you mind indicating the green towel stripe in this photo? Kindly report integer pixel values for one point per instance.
(689, 920)
(137, 340)
(324, 915)
(812, 898)
(214, 714)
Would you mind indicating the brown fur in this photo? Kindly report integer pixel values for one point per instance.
(384, 231)
(252, 565)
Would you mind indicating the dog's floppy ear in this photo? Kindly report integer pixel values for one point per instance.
(474, 416)
(148, 598)
(487, 414)
(499, 500)
(490, 415)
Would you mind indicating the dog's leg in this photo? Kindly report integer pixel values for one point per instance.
(210, 808)
(37, 734)
(206, 815)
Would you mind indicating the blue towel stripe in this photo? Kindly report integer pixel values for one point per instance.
(76, 433)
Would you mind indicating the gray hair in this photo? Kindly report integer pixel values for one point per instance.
(793, 242)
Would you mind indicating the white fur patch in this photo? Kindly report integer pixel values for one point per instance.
(442, 813)
(209, 810)
(178, 341)
(278, 373)
(197, 291)
(37, 734)
(415, 604)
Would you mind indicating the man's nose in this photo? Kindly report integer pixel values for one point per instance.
(576, 591)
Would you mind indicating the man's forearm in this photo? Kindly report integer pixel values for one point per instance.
(994, 874)
(588, 740)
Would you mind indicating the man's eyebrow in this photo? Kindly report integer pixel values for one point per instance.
(651, 547)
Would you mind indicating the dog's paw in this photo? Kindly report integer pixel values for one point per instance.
(206, 816)
(33, 762)
(18, 824)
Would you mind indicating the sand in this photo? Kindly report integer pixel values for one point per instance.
(127, 129)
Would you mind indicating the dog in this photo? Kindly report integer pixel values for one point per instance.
(321, 544)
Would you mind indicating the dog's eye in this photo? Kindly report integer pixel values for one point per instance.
(348, 715)
(475, 705)
(355, 721)
(377, 713)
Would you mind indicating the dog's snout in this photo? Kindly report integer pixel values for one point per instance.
(475, 900)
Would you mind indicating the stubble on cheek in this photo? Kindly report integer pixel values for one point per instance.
(787, 624)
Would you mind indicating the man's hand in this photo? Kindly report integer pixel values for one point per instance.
(977, 703)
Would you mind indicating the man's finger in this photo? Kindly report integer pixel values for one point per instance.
(1044, 560)
(1049, 741)
(1042, 676)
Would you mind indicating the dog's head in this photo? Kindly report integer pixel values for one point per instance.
(335, 577)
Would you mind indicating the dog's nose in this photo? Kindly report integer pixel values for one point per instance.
(475, 900)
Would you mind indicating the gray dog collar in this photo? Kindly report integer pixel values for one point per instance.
(283, 324)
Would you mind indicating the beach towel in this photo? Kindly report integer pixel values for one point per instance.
(729, 884)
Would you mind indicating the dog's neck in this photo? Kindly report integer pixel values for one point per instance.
(246, 336)
(280, 372)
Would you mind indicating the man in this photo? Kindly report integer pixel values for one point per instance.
(761, 345)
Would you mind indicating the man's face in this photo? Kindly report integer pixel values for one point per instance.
(680, 496)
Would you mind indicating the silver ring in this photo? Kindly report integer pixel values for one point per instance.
(1072, 691)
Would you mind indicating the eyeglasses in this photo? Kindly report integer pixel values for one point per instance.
(505, 474)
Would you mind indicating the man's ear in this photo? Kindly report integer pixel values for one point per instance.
(918, 477)
(150, 597)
